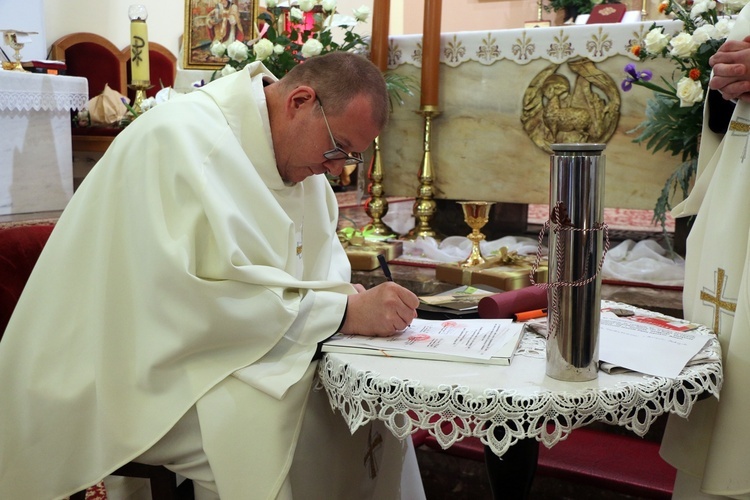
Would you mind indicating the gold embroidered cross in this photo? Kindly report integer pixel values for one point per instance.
(740, 128)
(372, 445)
(716, 300)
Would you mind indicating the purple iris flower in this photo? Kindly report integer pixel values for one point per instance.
(633, 76)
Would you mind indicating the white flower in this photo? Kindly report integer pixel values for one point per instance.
(656, 40)
(362, 13)
(296, 15)
(689, 91)
(148, 103)
(218, 49)
(306, 5)
(165, 94)
(227, 70)
(262, 49)
(723, 27)
(311, 47)
(270, 4)
(682, 45)
(700, 7)
(328, 5)
(703, 34)
(237, 51)
(278, 49)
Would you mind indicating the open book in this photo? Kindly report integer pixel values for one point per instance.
(491, 341)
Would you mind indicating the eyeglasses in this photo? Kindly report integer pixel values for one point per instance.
(337, 153)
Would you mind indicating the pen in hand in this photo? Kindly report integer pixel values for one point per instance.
(384, 267)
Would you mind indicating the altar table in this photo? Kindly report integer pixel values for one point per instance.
(36, 165)
(504, 404)
(494, 92)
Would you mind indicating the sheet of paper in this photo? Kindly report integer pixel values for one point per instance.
(471, 338)
(647, 348)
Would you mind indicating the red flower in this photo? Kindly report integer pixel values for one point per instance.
(636, 50)
(695, 74)
(663, 7)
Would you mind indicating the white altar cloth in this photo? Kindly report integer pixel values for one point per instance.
(487, 98)
(457, 400)
(36, 157)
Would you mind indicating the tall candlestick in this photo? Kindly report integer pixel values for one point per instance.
(381, 16)
(431, 52)
(139, 64)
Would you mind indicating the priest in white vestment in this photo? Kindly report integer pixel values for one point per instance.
(175, 312)
(711, 449)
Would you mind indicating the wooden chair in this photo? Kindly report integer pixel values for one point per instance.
(95, 58)
(162, 67)
(20, 247)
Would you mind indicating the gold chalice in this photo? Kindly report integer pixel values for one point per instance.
(476, 215)
(11, 39)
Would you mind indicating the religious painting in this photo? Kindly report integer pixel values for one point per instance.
(215, 21)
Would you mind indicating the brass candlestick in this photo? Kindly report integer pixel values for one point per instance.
(377, 206)
(644, 13)
(476, 215)
(140, 88)
(425, 206)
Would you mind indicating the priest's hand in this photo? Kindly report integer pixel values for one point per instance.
(731, 69)
(380, 311)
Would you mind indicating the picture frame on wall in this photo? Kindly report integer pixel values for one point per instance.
(210, 21)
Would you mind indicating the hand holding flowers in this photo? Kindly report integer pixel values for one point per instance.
(674, 116)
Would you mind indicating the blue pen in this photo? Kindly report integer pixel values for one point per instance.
(384, 267)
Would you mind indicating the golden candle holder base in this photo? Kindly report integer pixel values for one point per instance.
(425, 206)
(476, 215)
(377, 206)
(140, 87)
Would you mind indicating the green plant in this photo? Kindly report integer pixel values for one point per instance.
(577, 6)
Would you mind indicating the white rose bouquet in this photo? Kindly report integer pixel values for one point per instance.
(285, 40)
(674, 116)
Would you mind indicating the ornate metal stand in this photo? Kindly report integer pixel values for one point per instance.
(425, 206)
(140, 88)
(377, 206)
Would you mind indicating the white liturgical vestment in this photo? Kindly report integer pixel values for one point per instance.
(182, 271)
(714, 442)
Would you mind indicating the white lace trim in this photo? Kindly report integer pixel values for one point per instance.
(31, 91)
(500, 417)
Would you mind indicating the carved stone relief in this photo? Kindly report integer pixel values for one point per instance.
(554, 111)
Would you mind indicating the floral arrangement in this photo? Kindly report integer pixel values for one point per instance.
(285, 40)
(674, 115)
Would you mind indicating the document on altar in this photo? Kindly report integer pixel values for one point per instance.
(645, 347)
(467, 338)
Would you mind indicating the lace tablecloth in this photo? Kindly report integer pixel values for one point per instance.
(20, 91)
(503, 404)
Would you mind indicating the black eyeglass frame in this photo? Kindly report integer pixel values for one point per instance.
(337, 153)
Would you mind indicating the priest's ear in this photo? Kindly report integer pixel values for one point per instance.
(302, 96)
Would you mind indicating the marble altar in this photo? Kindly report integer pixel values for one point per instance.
(36, 166)
(492, 105)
